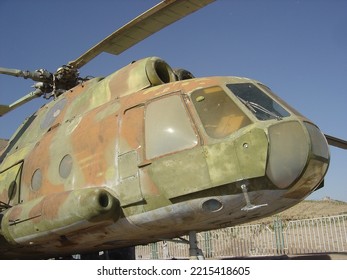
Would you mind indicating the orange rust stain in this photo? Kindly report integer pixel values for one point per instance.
(132, 127)
(4, 195)
(91, 143)
(48, 207)
(36, 211)
(40, 158)
(52, 203)
(117, 84)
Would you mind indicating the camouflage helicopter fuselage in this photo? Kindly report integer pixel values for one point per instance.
(140, 156)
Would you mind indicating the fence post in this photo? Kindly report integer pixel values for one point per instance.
(279, 238)
(154, 251)
(208, 244)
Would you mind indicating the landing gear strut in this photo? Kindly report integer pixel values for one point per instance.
(195, 253)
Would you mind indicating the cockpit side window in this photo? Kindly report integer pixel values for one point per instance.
(219, 114)
(168, 127)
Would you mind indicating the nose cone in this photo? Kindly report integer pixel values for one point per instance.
(298, 157)
(288, 153)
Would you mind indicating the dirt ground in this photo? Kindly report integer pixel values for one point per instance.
(311, 209)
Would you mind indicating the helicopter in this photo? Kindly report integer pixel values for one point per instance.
(148, 153)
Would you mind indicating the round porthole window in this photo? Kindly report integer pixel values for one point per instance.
(36, 180)
(65, 166)
(53, 113)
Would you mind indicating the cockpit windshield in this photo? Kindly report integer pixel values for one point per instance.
(260, 104)
(218, 113)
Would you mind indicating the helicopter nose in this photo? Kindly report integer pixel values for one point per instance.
(296, 151)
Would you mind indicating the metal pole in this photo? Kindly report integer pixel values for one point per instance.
(194, 252)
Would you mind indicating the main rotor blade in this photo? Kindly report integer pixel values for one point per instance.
(146, 24)
(38, 75)
(3, 144)
(336, 142)
(4, 109)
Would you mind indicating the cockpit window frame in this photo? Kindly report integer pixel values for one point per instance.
(188, 114)
(278, 99)
(243, 117)
(260, 103)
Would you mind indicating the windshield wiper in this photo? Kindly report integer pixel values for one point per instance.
(254, 107)
(264, 110)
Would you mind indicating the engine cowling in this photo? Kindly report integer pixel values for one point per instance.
(183, 74)
(141, 74)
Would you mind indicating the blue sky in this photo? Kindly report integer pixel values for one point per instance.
(297, 48)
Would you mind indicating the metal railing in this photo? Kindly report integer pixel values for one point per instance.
(326, 234)
(316, 235)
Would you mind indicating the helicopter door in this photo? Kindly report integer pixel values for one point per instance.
(129, 155)
(10, 186)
